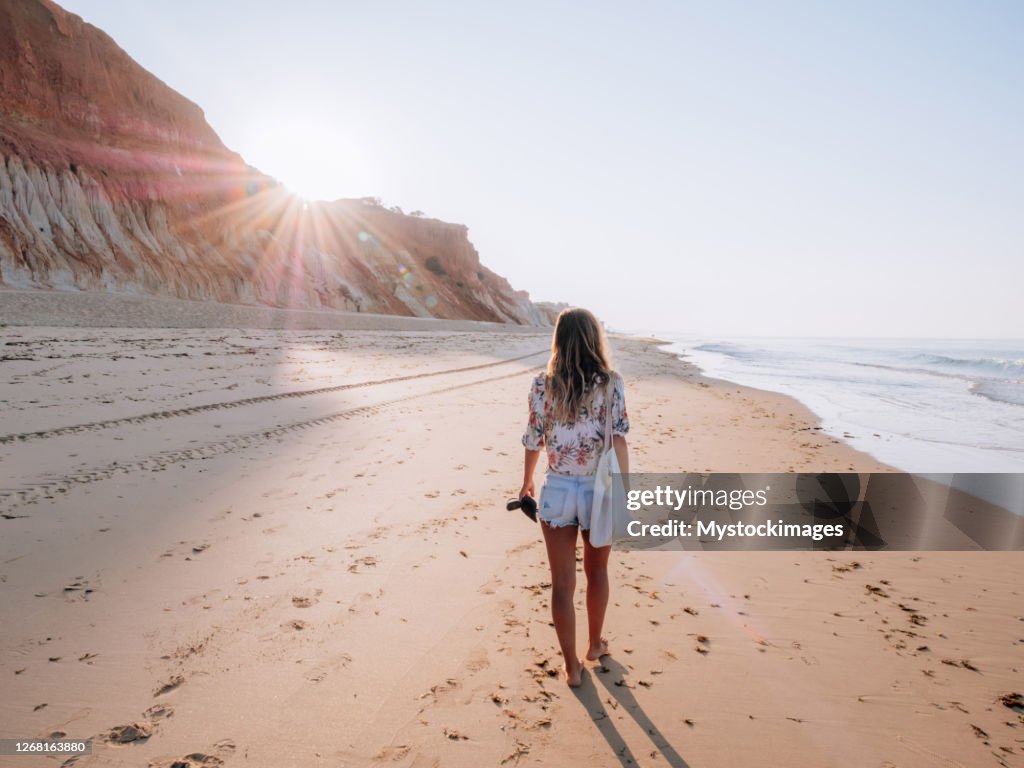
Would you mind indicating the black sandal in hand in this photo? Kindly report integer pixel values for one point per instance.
(527, 504)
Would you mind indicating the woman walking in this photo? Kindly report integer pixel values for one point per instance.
(567, 419)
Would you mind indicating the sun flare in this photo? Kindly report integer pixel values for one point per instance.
(310, 155)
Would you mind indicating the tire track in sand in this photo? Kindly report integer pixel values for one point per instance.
(191, 410)
(13, 498)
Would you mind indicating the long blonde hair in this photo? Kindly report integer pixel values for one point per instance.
(579, 359)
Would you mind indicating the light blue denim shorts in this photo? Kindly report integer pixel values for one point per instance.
(566, 500)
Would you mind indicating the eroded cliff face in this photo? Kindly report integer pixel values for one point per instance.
(111, 181)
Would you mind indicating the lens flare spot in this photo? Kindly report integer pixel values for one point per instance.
(363, 237)
(430, 301)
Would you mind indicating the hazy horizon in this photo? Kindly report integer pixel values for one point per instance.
(728, 170)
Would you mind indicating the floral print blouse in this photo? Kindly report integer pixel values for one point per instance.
(574, 448)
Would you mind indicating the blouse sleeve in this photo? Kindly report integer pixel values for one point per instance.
(620, 417)
(533, 437)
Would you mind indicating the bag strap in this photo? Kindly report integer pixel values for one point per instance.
(544, 401)
(609, 396)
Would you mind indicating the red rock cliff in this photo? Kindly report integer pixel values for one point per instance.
(112, 181)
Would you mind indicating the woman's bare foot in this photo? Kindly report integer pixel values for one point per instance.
(597, 651)
(574, 675)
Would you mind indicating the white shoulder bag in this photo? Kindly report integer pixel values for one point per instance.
(609, 517)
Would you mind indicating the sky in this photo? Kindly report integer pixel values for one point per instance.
(716, 168)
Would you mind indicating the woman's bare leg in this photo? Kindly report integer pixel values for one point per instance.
(595, 566)
(561, 545)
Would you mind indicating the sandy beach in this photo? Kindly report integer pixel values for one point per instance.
(277, 547)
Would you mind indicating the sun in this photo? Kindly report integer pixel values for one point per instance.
(310, 154)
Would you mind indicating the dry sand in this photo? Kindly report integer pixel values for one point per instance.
(290, 548)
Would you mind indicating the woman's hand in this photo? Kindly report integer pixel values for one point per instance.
(527, 490)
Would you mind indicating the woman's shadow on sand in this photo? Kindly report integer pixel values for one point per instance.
(589, 695)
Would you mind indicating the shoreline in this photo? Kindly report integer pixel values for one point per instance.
(924, 406)
(819, 420)
(232, 565)
(799, 417)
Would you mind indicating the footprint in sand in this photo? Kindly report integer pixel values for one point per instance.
(128, 734)
(366, 562)
(221, 750)
(477, 661)
(170, 685)
(158, 712)
(393, 754)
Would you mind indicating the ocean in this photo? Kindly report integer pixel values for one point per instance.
(920, 405)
